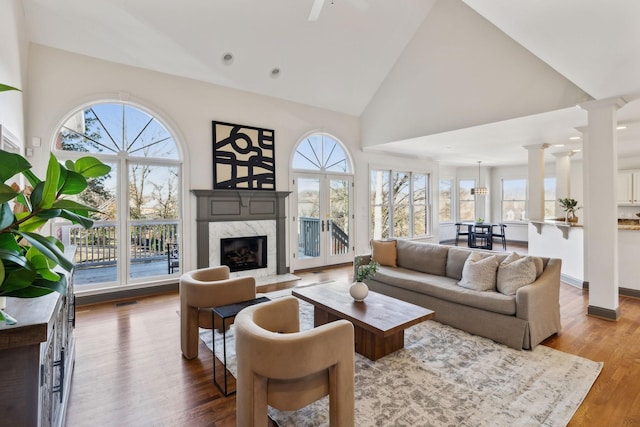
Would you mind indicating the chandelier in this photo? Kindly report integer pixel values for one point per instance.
(479, 190)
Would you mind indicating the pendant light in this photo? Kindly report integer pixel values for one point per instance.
(479, 190)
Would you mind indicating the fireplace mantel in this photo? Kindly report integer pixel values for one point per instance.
(240, 205)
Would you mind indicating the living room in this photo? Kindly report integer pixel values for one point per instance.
(57, 82)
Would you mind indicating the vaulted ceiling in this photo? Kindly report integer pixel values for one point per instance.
(340, 60)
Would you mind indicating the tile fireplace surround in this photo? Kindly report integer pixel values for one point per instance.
(256, 208)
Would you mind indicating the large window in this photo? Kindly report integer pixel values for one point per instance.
(467, 201)
(445, 198)
(514, 199)
(139, 201)
(400, 204)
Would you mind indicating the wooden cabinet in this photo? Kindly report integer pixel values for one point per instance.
(37, 356)
(629, 187)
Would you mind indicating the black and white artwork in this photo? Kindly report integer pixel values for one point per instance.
(243, 157)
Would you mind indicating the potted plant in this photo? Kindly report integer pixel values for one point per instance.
(570, 206)
(28, 259)
(359, 290)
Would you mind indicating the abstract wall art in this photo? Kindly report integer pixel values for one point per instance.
(243, 157)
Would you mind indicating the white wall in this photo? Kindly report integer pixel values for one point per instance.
(60, 82)
(458, 71)
(12, 65)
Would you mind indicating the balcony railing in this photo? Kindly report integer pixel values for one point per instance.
(99, 244)
(309, 237)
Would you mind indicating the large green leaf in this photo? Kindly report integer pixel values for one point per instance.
(77, 219)
(90, 167)
(17, 280)
(8, 243)
(7, 193)
(50, 189)
(43, 266)
(31, 177)
(73, 183)
(33, 224)
(4, 88)
(72, 205)
(37, 195)
(48, 248)
(12, 164)
(6, 216)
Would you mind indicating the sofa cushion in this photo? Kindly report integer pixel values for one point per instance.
(479, 272)
(424, 257)
(384, 252)
(455, 262)
(515, 272)
(447, 289)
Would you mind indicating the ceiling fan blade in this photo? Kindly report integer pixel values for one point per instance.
(315, 10)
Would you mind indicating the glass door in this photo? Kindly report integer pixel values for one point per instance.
(323, 221)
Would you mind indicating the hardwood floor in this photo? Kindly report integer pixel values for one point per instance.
(130, 372)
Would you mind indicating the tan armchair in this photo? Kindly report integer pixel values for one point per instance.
(199, 291)
(279, 366)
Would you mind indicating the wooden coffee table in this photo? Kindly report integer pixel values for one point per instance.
(379, 321)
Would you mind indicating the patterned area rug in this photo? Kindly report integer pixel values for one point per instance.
(447, 377)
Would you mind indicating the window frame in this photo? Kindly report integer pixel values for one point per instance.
(391, 204)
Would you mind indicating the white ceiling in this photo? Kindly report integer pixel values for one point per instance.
(338, 61)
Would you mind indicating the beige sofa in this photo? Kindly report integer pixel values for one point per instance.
(430, 275)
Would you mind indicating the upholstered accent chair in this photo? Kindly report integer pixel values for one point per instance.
(199, 291)
(282, 367)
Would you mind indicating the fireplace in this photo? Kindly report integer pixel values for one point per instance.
(244, 253)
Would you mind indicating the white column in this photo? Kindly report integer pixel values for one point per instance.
(600, 167)
(535, 183)
(563, 178)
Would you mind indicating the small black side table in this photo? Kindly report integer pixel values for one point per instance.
(224, 313)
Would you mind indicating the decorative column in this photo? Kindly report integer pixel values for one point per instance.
(563, 178)
(600, 169)
(535, 187)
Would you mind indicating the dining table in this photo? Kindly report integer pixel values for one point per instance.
(480, 234)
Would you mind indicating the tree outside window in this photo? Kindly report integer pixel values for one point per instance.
(467, 201)
(400, 205)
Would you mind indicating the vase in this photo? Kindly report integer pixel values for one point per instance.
(359, 291)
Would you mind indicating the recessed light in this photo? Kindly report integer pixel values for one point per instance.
(574, 138)
(227, 58)
(621, 127)
(558, 145)
(275, 72)
(576, 150)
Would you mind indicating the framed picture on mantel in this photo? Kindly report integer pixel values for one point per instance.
(243, 157)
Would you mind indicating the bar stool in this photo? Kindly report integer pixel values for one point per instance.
(459, 233)
(502, 236)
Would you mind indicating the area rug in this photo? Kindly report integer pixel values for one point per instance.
(447, 377)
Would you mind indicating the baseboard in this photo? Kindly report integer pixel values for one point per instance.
(576, 283)
(629, 292)
(126, 294)
(603, 313)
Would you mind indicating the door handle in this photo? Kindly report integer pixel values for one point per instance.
(322, 221)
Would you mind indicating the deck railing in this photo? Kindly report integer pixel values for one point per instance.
(99, 244)
(309, 237)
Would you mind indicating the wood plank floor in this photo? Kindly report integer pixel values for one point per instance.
(129, 370)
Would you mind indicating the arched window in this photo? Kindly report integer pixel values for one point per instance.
(139, 201)
(321, 152)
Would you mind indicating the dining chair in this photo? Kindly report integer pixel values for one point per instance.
(481, 236)
(501, 235)
(461, 226)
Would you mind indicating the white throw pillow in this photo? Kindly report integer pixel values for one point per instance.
(515, 272)
(479, 272)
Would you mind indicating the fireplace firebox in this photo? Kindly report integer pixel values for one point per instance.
(244, 253)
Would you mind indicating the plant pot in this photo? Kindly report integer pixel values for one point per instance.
(359, 291)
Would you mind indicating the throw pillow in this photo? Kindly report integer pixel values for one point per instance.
(479, 272)
(384, 252)
(515, 272)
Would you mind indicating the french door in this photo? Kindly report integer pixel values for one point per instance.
(323, 220)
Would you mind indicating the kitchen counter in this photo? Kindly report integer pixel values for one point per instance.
(628, 224)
